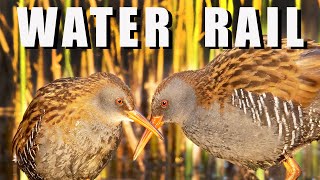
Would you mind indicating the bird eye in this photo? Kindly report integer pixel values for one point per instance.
(119, 101)
(164, 103)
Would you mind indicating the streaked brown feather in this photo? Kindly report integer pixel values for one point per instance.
(290, 74)
(51, 104)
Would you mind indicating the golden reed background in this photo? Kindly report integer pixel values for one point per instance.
(23, 71)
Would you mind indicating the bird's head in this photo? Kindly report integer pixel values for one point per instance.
(173, 102)
(115, 99)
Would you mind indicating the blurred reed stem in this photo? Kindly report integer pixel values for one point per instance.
(67, 60)
(223, 4)
(39, 67)
(298, 4)
(55, 64)
(315, 160)
(263, 15)
(67, 56)
(260, 174)
(23, 82)
(23, 73)
(3, 42)
(230, 8)
(188, 159)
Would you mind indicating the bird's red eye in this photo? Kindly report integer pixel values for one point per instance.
(164, 103)
(119, 101)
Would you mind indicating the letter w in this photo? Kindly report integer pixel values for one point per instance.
(28, 31)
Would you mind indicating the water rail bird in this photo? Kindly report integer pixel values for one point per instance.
(252, 107)
(73, 126)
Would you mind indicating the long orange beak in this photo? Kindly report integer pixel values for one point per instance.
(157, 122)
(139, 118)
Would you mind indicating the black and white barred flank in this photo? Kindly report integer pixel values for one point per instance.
(296, 125)
(26, 159)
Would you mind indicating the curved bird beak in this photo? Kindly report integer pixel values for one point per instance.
(157, 122)
(139, 118)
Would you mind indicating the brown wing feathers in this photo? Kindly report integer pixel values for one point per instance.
(290, 74)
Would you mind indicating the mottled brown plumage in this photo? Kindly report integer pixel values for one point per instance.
(291, 74)
(72, 127)
(253, 107)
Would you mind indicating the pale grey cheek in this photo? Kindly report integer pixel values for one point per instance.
(173, 115)
(112, 113)
(104, 103)
(116, 115)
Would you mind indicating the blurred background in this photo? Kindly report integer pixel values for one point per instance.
(23, 71)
